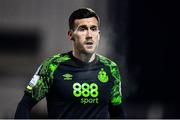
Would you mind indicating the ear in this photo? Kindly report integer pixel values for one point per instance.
(99, 34)
(70, 35)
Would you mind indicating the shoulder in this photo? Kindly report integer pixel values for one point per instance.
(106, 61)
(112, 66)
(57, 58)
(51, 63)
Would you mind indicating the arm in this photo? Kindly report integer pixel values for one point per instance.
(24, 107)
(115, 106)
(35, 91)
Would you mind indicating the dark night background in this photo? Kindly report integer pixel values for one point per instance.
(152, 54)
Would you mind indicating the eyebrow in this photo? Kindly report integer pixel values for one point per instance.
(93, 26)
(85, 26)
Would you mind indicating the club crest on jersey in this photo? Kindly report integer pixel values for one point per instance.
(102, 76)
(67, 76)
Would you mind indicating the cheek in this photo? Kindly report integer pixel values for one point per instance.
(97, 38)
(79, 39)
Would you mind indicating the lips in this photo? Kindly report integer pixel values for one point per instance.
(89, 43)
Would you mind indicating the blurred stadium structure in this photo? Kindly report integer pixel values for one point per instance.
(134, 33)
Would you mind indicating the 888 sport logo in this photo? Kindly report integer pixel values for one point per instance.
(88, 92)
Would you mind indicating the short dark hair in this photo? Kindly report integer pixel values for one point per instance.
(80, 14)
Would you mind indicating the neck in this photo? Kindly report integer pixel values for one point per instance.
(84, 57)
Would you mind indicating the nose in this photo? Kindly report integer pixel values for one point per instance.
(89, 33)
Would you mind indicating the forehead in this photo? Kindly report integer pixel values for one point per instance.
(86, 21)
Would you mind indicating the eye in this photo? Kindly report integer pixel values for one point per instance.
(94, 28)
(81, 28)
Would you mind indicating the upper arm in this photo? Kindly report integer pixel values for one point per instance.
(116, 94)
(39, 85)
(115, 106)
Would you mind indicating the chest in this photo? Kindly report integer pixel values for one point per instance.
(85, 85)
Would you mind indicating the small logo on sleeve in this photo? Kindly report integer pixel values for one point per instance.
(102, 76)
(67, 76)
(34, 80)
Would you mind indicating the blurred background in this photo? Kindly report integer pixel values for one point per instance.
(141, 36)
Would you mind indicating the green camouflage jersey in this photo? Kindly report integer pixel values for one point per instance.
(75, 89)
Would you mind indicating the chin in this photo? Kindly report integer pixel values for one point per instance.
(89, 51)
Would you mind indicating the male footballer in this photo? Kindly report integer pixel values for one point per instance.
(79, 83)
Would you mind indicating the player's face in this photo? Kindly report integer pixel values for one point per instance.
(85, 35)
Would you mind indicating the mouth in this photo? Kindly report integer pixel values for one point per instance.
(89, 43)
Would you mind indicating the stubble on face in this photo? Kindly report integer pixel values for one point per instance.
(86, 35)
